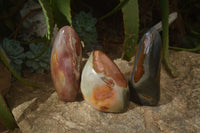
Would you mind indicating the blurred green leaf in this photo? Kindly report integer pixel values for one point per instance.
(131, 27)
(47, 10)
(64, 7)
(5, 116)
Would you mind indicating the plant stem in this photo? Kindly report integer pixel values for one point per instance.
(14, 73)
(165, 11)
(42, 52)
(22, 20)
(118, 7)
(34, 41)
(185, 49)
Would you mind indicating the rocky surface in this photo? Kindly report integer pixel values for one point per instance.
(40, 111)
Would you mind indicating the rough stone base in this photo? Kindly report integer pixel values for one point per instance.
(40, 111)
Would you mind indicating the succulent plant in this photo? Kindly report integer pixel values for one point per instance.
(103, 85)
(15, 54)
(84, 24)
(146, 72)
(41, 63)
(66, 63)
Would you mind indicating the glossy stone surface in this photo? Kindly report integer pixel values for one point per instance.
(66, 63)
(145, 78)
(103, 85)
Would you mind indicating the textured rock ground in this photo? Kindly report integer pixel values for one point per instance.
(40, 110)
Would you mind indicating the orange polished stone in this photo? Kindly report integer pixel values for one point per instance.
(139, 67)
(102, 64)
(66, 63)
(103, 85)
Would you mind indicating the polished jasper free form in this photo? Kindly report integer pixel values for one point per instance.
(66, 63)
(103, 85)
(145, 78)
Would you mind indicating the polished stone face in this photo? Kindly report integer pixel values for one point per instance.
(103, 85)
(66, 63)
(146, 72)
